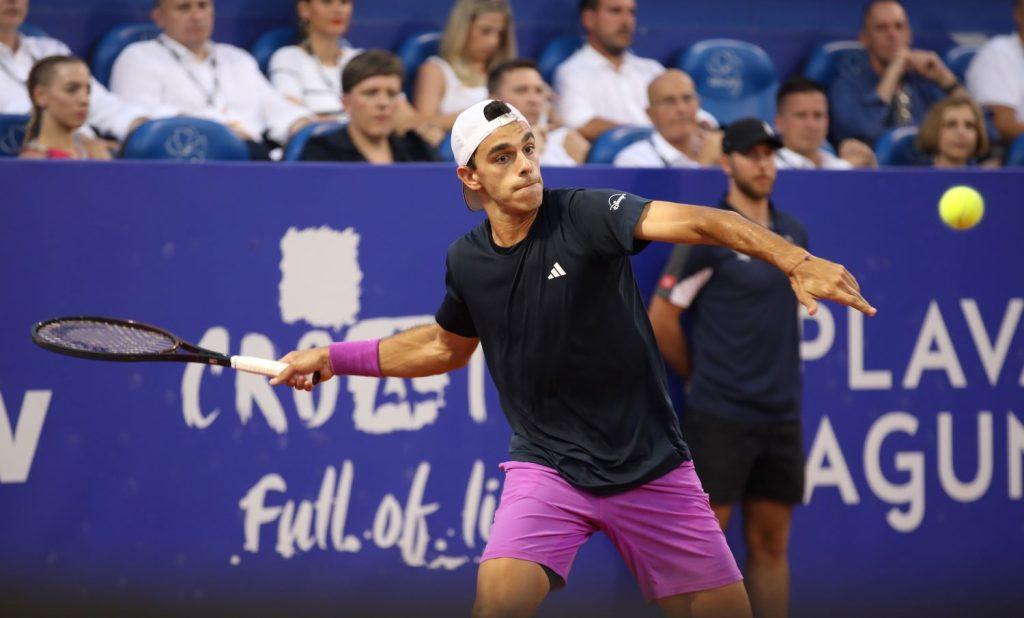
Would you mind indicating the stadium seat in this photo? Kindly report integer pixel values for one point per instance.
(113, 43)
(897, 147)
(414, 51)
(293, 151)
(827, 60)
(958, 58)
(612, 141)
(30, 30)
(184, 139)
(555, 53)
(734, 79)
(1015, 155)
(269, 42)
(444, 149)
(12, 134)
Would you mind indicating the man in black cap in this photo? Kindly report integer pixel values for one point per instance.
(742, 365)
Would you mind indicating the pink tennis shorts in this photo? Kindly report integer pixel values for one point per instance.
(665, 529)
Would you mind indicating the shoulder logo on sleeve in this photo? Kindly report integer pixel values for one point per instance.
(614, 201)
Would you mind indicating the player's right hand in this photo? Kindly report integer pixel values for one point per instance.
(302, 364)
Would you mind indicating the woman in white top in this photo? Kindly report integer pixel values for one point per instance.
(59, 88)
(309, 73)
(480, 34)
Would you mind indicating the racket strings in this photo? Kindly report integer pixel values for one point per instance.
(106, 338)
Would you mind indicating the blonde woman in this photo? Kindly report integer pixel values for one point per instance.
(953, 133)
(480, 35)
(309, 73)
(59, 88)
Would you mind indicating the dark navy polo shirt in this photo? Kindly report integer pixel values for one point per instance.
(568, 342)
(744, 331)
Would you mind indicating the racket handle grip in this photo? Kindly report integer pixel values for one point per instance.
(259, 366)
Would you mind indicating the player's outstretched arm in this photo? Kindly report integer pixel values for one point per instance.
(421, 351)
(812, 278)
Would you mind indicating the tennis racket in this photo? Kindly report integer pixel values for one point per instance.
(112, 339)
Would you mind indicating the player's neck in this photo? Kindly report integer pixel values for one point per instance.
(375, 149)
(755, 209)
(325, 48)
(9, 37)
(510, 227)
(616, 60)
(944, 161)
(53, 134)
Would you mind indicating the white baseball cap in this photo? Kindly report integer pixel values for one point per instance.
(470, 129)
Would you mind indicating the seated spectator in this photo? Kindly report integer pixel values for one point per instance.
(802, 118)
(953, 133)
(182, 71)
(108, 114)
(893, 85)
(479, 35)
(372, 83)
(604, 85)
(59, 89)
(309, 74)
(996, 79)
(519, 82)
(678, 139)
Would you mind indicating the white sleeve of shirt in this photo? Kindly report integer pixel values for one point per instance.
(637, 154)
(279, 114)
(574, 102)
(286, 71)
(110, 114)
(685, 291)
(134, 78)
(991, 79)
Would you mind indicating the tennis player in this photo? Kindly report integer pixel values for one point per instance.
(545, 284)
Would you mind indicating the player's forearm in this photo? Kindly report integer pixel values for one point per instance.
(729, 229)
(418, 352)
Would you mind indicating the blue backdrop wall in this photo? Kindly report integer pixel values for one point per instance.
(190, 490)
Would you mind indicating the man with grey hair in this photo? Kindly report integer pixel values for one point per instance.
(183, 71)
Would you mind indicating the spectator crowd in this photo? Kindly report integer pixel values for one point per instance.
(347, 104)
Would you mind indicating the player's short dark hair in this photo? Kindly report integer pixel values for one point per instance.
(796, 85)
(494, 109)
(370, 63)
(589, 5)
(498, 73)
(870, 4)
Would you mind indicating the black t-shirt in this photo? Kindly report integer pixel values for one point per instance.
(567, 340)
(338, 146)
(744, 330)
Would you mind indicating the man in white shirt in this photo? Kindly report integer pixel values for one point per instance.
(995, 78)
(519, 82)
(108, 114)
(802, 118)
(184, 70)
(678, 139)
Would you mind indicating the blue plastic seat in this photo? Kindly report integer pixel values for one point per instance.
(898, 147)
(1015, 155)
(293, 151)
(958, 58)
(829, 59)
(555, 53)
(444, 149)
(12, 134)
(113, 43)
(613, 141)
(735, 79)
(269, 42)
(185, 139)
(414, 51)
(30, 30)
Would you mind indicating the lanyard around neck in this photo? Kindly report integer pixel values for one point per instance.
(211, 95)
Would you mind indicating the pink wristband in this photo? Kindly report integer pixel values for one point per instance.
(355, 358)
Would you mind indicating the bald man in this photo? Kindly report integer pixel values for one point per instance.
(680, 139)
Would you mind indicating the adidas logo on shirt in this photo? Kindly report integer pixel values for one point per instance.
(556, 271)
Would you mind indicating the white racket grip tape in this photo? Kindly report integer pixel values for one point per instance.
(260, 366)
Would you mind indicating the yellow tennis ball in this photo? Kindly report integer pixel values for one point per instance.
(961, 207)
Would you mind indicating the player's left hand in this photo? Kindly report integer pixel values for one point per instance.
(817, 279)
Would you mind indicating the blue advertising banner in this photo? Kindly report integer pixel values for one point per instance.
(190, 490)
